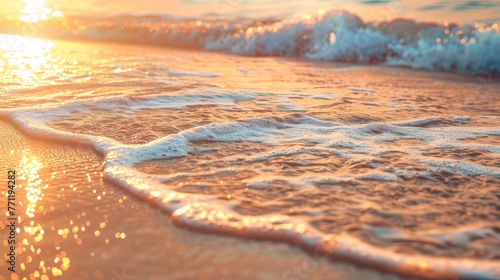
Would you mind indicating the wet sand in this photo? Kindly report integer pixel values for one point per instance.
(74, 225)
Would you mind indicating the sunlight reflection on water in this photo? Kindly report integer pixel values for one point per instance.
(26, 61)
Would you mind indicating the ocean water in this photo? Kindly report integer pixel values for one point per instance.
(376, 143)
(328, 35)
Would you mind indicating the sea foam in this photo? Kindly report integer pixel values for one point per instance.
(349, 142)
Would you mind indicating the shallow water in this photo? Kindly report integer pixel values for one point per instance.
(385, 167)
(75, 225)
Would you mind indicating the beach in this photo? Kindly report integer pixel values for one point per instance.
(81, 227)
(137, 160)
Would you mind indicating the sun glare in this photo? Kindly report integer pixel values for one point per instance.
(29, 61)
(35, 11)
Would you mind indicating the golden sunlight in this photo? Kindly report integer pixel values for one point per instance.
(28, 60)
(34, 189)
(35, 11)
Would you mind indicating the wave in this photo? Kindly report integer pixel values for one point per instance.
(209, 213)
(333, 36)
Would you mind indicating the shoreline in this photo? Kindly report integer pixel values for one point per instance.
(115, 232)
(369, 101)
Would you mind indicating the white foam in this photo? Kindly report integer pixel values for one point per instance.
(467, 168)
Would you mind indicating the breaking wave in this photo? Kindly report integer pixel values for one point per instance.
(333, 36)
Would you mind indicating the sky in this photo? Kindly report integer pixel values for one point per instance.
(369, 10)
